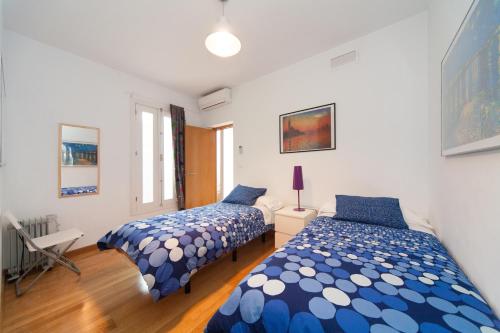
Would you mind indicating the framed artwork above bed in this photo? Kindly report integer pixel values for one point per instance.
(310, 129)
(470, 83)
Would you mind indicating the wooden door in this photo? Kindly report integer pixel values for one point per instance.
(201, 176)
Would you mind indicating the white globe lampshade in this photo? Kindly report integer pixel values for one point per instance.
(223, 44)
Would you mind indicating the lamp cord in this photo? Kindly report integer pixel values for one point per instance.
(223, 6)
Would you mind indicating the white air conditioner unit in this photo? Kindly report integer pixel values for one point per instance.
(214, 100)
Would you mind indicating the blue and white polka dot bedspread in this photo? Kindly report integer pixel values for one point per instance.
(170, 248)
(338, 276)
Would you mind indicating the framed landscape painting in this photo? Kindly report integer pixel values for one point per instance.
(311, 129)
(470, 83)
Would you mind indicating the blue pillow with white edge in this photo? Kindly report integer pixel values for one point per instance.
(244, 195)
(380, 211)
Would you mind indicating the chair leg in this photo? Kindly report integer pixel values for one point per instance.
(61, 259)
(53, 257)
(68, 263)
(19, 290)
(64, 261)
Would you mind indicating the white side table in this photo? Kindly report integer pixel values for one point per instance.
(289, 222)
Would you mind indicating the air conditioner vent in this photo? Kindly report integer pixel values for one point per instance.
(215, 100)
(343, 59)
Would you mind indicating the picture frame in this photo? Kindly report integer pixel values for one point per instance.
(470, 83)
(307, 130)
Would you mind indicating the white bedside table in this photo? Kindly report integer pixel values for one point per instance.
(289, 222)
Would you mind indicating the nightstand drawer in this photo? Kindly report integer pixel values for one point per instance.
(288, 222)
(280, 239)
(289, 225)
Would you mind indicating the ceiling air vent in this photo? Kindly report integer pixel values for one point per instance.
(343, 59)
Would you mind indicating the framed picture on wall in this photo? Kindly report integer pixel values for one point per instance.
(470, 83)
(306, 130)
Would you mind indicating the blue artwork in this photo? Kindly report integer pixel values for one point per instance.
(339, 276)
(471, 83)
(169, 249)
(78, 154)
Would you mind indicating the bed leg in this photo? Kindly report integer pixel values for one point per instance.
(187, 288)
(263, 237)
(235, 255)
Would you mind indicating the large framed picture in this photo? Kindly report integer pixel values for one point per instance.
(311, 129)
(470, 83)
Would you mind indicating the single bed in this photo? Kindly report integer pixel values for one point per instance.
(339, 276)
(169, 249)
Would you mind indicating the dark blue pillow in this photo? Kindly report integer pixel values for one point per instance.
(244, 195)
(380, 211)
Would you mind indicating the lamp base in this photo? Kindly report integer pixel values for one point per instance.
(298, 208)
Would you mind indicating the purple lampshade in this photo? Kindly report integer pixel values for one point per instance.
(298, 182)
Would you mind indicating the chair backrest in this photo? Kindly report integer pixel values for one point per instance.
(13, 220)
(20, 230)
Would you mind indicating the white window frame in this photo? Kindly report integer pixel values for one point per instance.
(159, 203)
(221, 159)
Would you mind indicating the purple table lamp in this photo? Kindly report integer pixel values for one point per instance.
(298, 184)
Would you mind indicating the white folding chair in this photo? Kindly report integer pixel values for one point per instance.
(47, 246)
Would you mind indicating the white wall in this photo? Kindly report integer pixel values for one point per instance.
(46, 86)
(78, 176)
(382, 120)
(465, 190)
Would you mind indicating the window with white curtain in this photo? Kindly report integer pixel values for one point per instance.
(225, 160)
(153, 185)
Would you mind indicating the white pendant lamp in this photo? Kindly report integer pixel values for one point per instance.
(222, 42)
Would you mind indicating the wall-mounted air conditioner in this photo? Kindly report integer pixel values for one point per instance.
(214, 100)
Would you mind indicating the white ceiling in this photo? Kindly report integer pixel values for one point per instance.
(163, 40)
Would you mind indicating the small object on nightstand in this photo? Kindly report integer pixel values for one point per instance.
(289, 222)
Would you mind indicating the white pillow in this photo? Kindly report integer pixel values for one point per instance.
(329, 208)
(267, 213)
(416, 222)
(269, 202)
